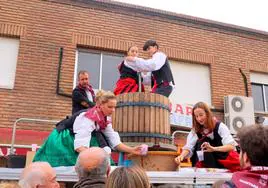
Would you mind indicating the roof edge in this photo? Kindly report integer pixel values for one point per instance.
(193, 21)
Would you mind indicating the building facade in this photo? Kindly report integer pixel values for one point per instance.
(44, 43)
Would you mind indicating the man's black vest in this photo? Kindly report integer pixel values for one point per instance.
(164, 74)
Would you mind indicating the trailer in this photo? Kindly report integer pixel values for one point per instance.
(190, 177)
(154, 132)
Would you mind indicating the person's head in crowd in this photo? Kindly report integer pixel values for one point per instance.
(9, 184)
(253, 141)
(128, 177)
(133, 51)
(218, 183)
(83, 78)
(106, 100)
(151, 47)
(92, 162)
(38, 174)
(202, 117)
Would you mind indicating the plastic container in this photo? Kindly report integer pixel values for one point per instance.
(16, 161)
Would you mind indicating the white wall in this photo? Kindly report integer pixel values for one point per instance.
(9, 49)
(260, 78)
(192, 83)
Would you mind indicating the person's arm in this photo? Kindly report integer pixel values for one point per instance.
(112, 136)
(187, 150)
(83, 128)
(133, 150)
(84, 104)
(90, 104)
(182, 156)
(79, 98)
(131, 64)
(228, 142)
(206, 147)
(115, 142)
(148, 65)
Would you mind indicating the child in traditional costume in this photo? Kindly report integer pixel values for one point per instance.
(129, 78)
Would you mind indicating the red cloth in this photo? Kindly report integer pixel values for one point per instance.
(95, 114)
(126, 85)
(256, 176)
(155, 86)
(231, 162)
(199, 164)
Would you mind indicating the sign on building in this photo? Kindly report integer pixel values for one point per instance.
(181, 115)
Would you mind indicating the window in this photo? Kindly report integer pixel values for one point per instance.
(192, 83)
(258, 91)
(259, 86)
(9, 49)
(102, 67)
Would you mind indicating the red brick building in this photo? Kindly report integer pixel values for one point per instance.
(56, 38)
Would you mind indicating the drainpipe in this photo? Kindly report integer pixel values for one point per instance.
(245, 81)
(58, 90)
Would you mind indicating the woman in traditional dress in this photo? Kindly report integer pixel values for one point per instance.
(63, 144)
(210, 142)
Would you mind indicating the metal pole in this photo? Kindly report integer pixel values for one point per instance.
(139, 74)
(29, 120)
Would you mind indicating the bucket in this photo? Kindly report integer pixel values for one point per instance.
(16, 161)
(156, 161)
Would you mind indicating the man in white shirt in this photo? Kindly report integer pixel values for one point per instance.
(159, 66)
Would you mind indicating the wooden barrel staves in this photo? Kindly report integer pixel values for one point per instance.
(142, 117)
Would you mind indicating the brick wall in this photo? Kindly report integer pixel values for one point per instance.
(44, 26)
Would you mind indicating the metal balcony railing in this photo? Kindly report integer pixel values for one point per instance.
(26, 120)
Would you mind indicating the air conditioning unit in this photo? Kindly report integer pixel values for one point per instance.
(238, 112)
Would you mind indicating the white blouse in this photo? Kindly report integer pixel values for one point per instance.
(89, 95)
(83, 127)
(147, 65)
(145, 75)
(223, 131)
